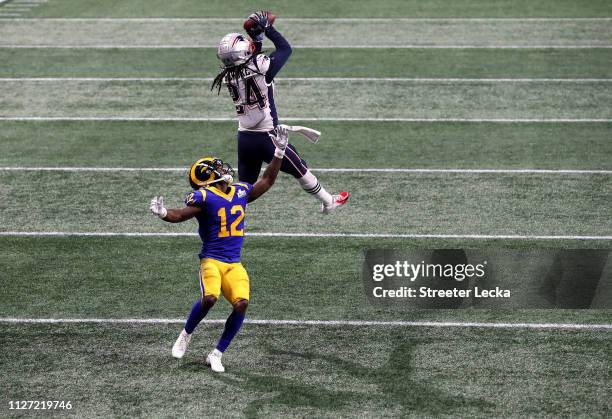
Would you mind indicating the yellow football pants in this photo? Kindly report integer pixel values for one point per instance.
(231, 278)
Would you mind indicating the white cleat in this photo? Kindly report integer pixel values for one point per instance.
(180, 346)
(214, 361)
(337, 201)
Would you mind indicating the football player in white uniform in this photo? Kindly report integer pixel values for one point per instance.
(249, 77)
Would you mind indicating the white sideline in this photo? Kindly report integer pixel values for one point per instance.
(322, 170)
(333, 323)
(319, 79)
(322, 46)
(314, 235)
(307, 119)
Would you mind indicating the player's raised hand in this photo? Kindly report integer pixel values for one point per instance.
(157, 206)
(280, 138)
(257, 23)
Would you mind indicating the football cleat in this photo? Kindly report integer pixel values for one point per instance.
(337, 201)
(180, 346)
(214, 361)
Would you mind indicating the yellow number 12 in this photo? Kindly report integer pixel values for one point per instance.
(236, 209)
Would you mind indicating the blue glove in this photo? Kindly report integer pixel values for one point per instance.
(260, 24)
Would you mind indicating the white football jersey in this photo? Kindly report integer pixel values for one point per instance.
(253, 97)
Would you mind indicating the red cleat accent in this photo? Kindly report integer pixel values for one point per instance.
(339, 200)
(342, 198)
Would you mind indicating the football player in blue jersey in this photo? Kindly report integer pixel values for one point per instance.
(219, 205)
(249, 77)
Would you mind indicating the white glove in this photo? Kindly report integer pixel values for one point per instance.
(280, 138)
(157, 206)
(227, 178)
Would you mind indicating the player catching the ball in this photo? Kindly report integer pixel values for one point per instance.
(219, 205)
(249, 77)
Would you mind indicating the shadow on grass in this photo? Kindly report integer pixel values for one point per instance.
(396, 387)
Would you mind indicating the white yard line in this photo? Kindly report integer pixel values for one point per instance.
(471, 171)
(314, 235)
(328, 169)
(317, 79)
(322, 46)
(331, 119)
(323, 323)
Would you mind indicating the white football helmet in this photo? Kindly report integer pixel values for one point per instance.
(234, 49)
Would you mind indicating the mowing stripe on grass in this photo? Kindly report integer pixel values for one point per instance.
(318, 79)
(331, 170)
(324, 323)
(307, 119)
(314, 235)
(299, 99)
(313, 33)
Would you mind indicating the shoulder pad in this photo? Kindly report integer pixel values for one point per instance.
(245, 185)
(242, 189)
(195, 198)
(262, 62)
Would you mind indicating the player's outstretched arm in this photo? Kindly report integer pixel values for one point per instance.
(260, 23)
(280, 138)
(172, 215)
(280, 56)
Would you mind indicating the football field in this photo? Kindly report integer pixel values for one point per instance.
(464, 124)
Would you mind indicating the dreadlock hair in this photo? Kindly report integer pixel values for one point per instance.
(231, 73)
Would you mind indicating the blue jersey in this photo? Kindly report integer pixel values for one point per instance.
(221, 220)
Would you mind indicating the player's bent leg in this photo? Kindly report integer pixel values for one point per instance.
(197, 314)
(248, 171)
(235, 286)
(294, 165)
(329, 203)
(232, 325)
(231, 329)
(210, 287)
(249, 155)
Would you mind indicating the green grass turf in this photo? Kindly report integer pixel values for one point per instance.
(382, 203)
(303, 371)
(343, 144)
(351, 99)
(291, 278)
(323, 8)
(300, 371)
(309, 32)
(471, 63)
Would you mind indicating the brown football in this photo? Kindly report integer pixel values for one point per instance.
(249, 24)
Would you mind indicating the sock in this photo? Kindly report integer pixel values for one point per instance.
(232, 326)
(195, 317)
(311, 185)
